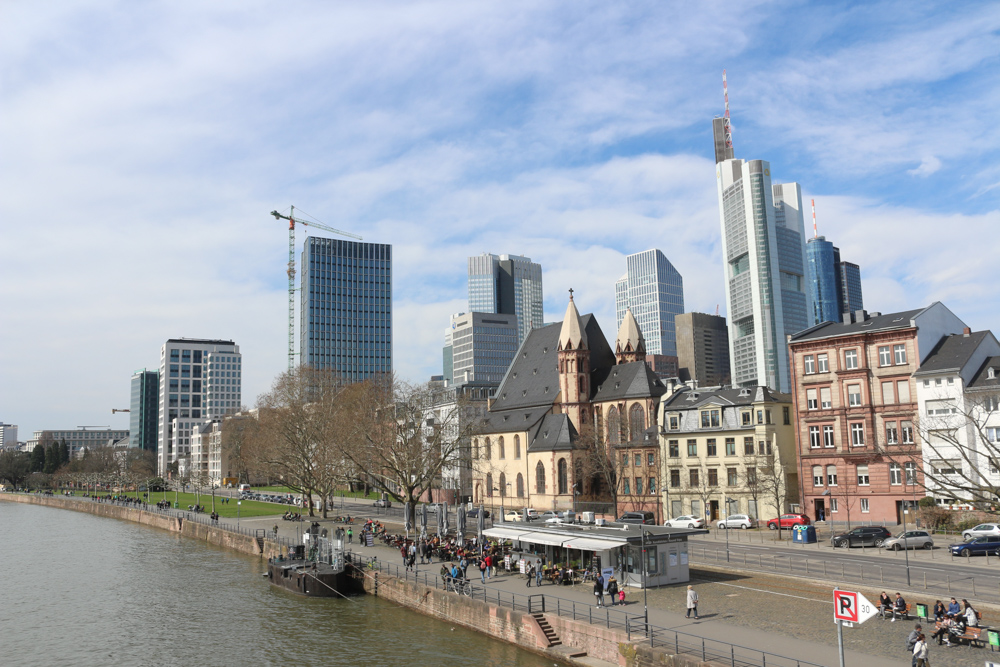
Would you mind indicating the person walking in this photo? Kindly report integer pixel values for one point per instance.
(613, 591)
(920, 652)
(911, 641)
(482, 569)
(599, 592)
(692, 603)
(531, 573)
(350, 536)
(538, 573)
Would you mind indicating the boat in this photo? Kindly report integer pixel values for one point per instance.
(314, 568)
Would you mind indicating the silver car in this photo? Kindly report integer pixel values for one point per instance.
(982, 530)
(911, 539)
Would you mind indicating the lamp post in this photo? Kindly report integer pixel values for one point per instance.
(645, 606)
(501, 500)
(725, 502)
(906, 550)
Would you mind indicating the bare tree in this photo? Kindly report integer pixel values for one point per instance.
(751, 482)
(772, 482)
(698, 484)
(601, 467)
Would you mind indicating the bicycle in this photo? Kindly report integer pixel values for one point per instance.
(461, 586)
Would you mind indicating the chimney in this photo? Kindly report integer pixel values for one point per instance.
(860, 315)
(966, 332)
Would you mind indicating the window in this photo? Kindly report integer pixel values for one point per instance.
(854, 395)
(746, 419)
(614, 426)
(888, 393)
(895, 474)
(851, 359)
(834, 505)
(828, 436)
(650, 459)
(857, 434)
(710, 419)
(638, 485)
(500, 446)
(730, 447)
(674, 423)
(636, 422)
(812, 402)
(748, 446)
(692, 448)
(751, 475)
(730, 476)
(817, 475)
(864, 506)
(517, 446)
(910, 468)
(489, 485)
(760, 416)
(884, 356)
(891, 433)
(767, 413)
(786, 415)
(814, 437)
(562, 476)
(638, 460)
(625, 460)
(503, 485)
(675, 479)
(993, 434)
(809, 363)
(831, 475)
(945, 407)
(823, 363)
(710, 446)
(863, 475)
(825, 400)
(673, 449)
(520, 485)
(764, 447)
(540, 478)
(713, 477)
(693, 478)
(652, 485)
(626, 488)
(899, 351)
(903, 391)
(488, 453)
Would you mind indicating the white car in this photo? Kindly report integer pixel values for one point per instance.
(686, 521)
(532, 514)
(513, 515)
(982, 530)
(737, 521)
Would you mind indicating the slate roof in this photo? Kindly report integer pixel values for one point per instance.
(632, 380)
(686, 399)
(888, 322)
(514, 420)
(952, 353)
(982, 379)
(555, 432)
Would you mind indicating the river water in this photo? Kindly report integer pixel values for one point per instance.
(84, 590)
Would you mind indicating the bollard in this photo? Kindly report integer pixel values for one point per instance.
(881, 575)
(925, 581)
(949, 584)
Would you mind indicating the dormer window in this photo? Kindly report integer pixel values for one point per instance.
(515, 375)
(991, 373)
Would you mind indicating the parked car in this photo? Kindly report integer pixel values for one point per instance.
(546, 516)
(532, 514)
(788, 520)
(982, 530)
(743, 521)
(977, 546)
(686, 521)
(382, 502)
(513, 515)
(865, 536)
(637, 517)
(911, 539)
(433, 508)
(474, 514)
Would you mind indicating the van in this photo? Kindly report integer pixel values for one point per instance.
(244, 487)
(637, 517)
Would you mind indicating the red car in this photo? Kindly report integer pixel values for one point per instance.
(788, 520)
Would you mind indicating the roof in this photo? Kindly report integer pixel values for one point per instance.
(982, 379)
(555, 432)
(952, 353)
(572, 336)
(634, 379)
(686, 399)
(877, 322)
(629, 337)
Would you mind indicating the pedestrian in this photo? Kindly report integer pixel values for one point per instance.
(350, 536)
(621, 596)
(692, 603)
(953, 608)
(538, 572)
(531, 573)
(482, 569)
(599, 593)
(911, 641)
(613, 591)
(920, 652)
(600, 582)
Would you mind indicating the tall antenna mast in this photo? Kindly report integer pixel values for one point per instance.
(725, 117)
(815, 232)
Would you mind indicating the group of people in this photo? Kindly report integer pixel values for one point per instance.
(609, 588)
(895, 607)
(953, 620)
(291, 516)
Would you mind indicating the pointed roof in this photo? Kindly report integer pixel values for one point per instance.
(572, 335)
(629, 335)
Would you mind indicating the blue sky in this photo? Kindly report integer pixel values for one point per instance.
(143, 145)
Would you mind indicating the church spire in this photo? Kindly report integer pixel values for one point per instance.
(630, 345)
(572, 336)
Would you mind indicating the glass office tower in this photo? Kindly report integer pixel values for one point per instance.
(143, 409)
(823, 280)
(654, 291)
(507, 284)
(346, 317)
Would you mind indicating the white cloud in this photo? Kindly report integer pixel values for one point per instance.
(928, 166)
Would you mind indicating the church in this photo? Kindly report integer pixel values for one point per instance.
(566, 406)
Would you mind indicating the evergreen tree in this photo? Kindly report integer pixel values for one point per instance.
(38, 458)
(64, 451)
(53, 455)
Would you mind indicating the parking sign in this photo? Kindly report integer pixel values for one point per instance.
(852, 607)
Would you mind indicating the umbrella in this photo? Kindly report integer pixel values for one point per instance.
(444, 512)
(407, 520)
(525, 510)
(461, 526)
(480, 526)
(423, 521)
(440, 522)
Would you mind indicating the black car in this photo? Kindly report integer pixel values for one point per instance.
(866, 536)
(474, 514)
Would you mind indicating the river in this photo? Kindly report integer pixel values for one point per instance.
(85, 590)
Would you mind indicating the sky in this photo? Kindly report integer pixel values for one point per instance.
(143, 145)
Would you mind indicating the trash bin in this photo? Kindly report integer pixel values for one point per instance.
(804, 534)
(993, 638)
(921, 611)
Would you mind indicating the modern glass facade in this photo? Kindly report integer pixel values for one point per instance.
(347, 307)
(483, 346)
(144, 409)
(823, 280)
(849, 277)
(654, 290)
(508, 284)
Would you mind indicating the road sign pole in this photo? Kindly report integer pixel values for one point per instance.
(840, 640)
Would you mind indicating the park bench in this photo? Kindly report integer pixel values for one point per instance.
(975, 636)
(891, 612)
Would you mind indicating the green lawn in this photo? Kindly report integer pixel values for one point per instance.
(248, 508)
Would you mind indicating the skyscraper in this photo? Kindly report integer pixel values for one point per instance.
(200, 380)
(763, 246)
(703, 349)
(823, 283)
(508, 284)
(144, 409)
(483, 345)
(849, 286)
(347, 307)
(654, 291)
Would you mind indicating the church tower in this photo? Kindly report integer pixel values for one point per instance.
(630, 346)
(574, 366)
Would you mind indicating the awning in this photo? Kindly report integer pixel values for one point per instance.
(505, 533)
(550, 539)
(593, 544)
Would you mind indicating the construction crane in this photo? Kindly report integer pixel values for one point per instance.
(291, 272)
(114, 410)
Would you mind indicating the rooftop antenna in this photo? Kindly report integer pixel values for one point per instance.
(725, 117)
(815, 232)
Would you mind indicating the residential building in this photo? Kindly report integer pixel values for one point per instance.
(856, 411)
(78, 439)
(565, 405)
(654, 291)
(509, 285)
(727, 451)
(144, 409)
(702, 349)
(459, 409)
(959, 421)
(763, 246)
(8, 436)
(200, 379)
(346, 307)
(483, 345)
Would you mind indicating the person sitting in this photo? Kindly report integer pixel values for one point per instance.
(953, 608)
(939, 610)
(898, 607)
(884, 603)
(970, 615)
(943, 632)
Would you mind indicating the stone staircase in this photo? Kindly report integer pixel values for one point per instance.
(550, 635)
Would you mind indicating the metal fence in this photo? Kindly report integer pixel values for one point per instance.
(634, 625)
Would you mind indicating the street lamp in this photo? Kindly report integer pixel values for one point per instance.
(725, 501)
(645, 606)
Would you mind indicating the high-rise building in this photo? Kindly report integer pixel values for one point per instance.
(508, 284)
(703, 349)
(200, 379)
(347, 307)
(654, 291)
(448, 353)
(144, 409)
(823, 284)
(849, 286)
(483, 346)
(8, 436)
(763, 246)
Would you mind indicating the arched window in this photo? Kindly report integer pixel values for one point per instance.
(539, 478)
(500, 446)
(520, 485)
(489, 485)
(517, 446)
(614, 426)
(563, 476)
(487, 453)
(479, 493)
(636, 422)
(475, 448)
(503, 485)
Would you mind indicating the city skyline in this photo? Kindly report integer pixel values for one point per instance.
(572, 134)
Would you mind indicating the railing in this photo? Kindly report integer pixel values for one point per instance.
(634, 625)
